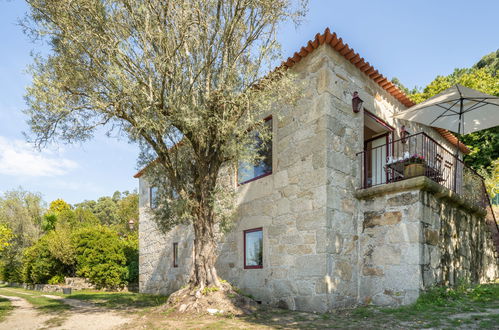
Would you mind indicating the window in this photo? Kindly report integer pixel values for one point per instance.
(175, 255)
(248, 172)
(253, 248)
(153, 197)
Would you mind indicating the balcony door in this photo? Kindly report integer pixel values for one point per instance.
(377, 138)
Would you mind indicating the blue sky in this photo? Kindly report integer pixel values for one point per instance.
(411, 40)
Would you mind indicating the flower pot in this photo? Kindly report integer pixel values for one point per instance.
(412, 170)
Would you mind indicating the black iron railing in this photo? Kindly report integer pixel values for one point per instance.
(419, 155)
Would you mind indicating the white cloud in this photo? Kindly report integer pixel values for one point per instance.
(19, 158)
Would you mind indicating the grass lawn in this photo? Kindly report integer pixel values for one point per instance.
(5, 308)
(42, 304)
(119, 300)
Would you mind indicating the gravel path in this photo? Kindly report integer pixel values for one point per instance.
(83, 315)
(23, 317)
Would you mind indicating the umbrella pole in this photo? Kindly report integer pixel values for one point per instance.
(457, 148)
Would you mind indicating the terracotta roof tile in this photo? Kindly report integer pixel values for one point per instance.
(337, 44)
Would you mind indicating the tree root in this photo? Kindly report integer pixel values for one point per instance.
(225, 299)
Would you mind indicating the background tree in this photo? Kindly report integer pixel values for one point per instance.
(58, 211)
(490, 61)
(105, 210)
(21, 212)
(128, 209)
(164, 72)
(5, 236)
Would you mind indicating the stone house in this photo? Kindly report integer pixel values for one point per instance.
(333, 219)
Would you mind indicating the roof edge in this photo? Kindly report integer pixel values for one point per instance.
(365, 67)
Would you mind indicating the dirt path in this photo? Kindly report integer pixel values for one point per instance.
(85, 315)
(24, 316)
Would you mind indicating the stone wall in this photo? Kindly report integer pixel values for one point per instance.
(74, 283)
(390, 244)
(457, 244)
(416, 234)
(156, 272)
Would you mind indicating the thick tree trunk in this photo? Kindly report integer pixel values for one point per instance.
(204, 272)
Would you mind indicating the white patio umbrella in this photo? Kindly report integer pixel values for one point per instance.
(458, 109)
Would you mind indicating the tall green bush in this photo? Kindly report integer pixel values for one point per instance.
(39, 265)
(131, 249)
(100, 256)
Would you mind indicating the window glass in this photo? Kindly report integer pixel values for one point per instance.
(153, 197)
(175, 254)
(253, 248)
(246, 171)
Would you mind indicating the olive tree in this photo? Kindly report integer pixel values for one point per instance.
(186, 79)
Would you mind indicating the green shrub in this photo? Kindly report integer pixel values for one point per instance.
(101, 257)
(57, 279)
(39, 265)
(131, 249)
(11, 268)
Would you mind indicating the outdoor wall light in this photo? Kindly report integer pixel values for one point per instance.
(356, 102)
(404, 134)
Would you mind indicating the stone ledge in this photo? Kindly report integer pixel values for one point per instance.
(425, 184)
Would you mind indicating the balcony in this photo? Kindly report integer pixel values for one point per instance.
(420, 155)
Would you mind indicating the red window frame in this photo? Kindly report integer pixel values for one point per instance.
(388, 135)
(175, 255)
(266, 119)
(244, 252)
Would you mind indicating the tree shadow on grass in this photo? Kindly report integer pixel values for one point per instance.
(50, 305)
(5, 307)
(120, 300)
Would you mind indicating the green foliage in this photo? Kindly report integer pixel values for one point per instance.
(120, 300)
(49, 221)
(101, 256)
(5, 308)
(56, 279)
(84, 217)
(492, 180)
(105, 210)
(28, 258)
(39, 265)
(209, 289)
(57, 206)
(490, 61)
(6, 235)
(128, 209)
(131, 250)
(21, 212)
(61, 247)
(449, 296)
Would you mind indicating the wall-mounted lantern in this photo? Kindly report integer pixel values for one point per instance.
(356, 102)
(131, 224)
(404, 134)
